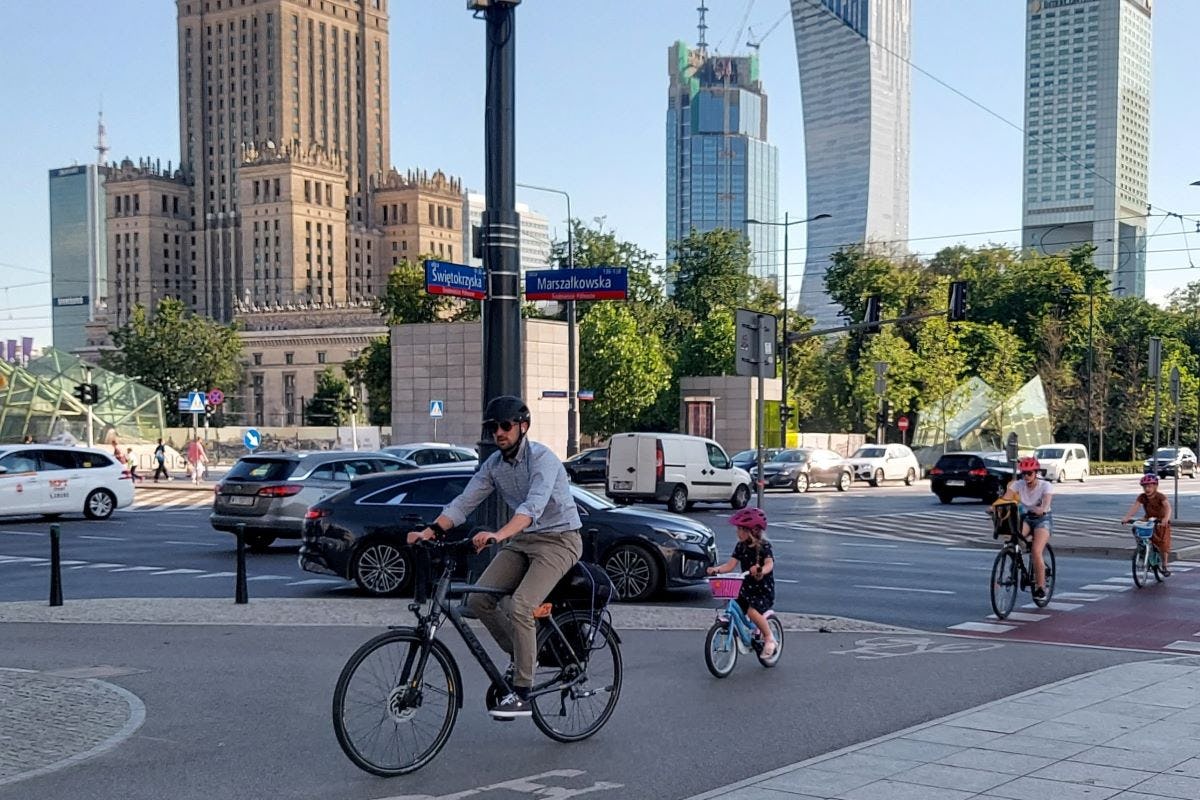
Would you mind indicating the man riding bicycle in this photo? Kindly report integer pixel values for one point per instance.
(1035, 494)
(541, 541)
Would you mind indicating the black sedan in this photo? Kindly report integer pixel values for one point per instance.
(983, 476)
(359, 535)
(588, 466)
(804, 467)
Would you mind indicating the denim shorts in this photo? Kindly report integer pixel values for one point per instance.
(1044, 521)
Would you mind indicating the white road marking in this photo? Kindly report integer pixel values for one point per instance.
(196, 544)
(334, 580)
(268, 578)
(1104, 587)
(777, 580)
(137, 569)
(982, 627)
(987, 550)
(902, 589)
(98, 566)
(1021, 616)
(1128, 581)
(104, 538)
(178, 572)
(22, 533)
(1191, 647)
(216, 575)
(868, 561)
(1087, 598)
(864, 544)
(1057, 606)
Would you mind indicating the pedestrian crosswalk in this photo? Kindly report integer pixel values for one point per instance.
(16, 562)
(145, 499)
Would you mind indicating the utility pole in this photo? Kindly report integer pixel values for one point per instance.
(1155, 371)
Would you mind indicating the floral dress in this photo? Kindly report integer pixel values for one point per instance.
(758, 594)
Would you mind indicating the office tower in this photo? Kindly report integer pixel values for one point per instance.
(280, 95)
(78, 255)
(854, 84)
(535, 233)
(721, 170)
(421, 215)
(1087, 132)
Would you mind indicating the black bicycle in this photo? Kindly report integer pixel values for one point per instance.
(1012, 571)
(399, 695)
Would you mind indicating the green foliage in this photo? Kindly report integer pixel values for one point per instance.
(173, 351)
(711, 273)
(627, 368)
(327, 404)
(372, 369)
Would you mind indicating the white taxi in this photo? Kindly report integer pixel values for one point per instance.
(50, 479)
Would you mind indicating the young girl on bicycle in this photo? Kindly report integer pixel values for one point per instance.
(753, 555)
(1155, 506)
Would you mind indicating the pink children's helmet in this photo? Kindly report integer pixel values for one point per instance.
(749, 517)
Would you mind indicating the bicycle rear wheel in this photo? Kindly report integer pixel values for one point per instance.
(585, 679)
(777, 631)
(1141, 564)
(1051, 569)
(1004, 583)
(389, 721)
(720, 650)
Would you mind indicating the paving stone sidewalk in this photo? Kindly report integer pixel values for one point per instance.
(1128, 732)
(50, 721)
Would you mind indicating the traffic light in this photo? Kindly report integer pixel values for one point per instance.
(87, 393)
(872, 315)
(958, 302)
(350, 403)
(786, 413)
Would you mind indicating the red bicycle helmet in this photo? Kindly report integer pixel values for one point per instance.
(1149, 479)
(749, 517)
(1029, 464)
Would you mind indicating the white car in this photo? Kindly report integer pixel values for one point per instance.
(1063, 462)
(877, 463)
(52, 479)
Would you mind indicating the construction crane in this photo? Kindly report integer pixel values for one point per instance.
(754, 45)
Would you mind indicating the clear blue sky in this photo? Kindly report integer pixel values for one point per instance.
(591, 100)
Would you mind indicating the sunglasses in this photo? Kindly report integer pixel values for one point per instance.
(1024, 474)
(491, 426)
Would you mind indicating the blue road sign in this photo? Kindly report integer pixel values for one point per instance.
(195, 402)
(436, 409)
(251, 438)
(455, 280)
(592, 283)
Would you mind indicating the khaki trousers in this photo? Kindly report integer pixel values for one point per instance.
(528, 565)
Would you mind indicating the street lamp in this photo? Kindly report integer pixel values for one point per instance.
(572, 377)
(1089, 294)
(786, 224)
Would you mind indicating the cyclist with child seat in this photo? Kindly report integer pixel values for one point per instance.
(1035, 494)
(541, 541)
(1155, 505)
(754, 556)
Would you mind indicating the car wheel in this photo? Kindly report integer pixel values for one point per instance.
(844, 481)
(945, 499)
(678, 501)
(877, 478)
(910, 477)
(381, 569)
(259, 542)
(741, 497)
(1060, 477)
(1083, 476)
(634, 572)
(100, 504)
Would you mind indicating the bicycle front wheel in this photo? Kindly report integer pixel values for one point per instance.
(1004, 583)
(576, 688)
(389, 719)
(720, 650)
(1141, 565)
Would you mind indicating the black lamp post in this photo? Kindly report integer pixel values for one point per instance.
(1090, 294)
(786, 225)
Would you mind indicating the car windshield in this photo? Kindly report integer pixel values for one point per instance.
(399, 452)
(593, 500)
(993, 461)
(262, 469)
(791, 456)
(869, 452)
(745, 455)
(1164, 452)
(1049, 452)
(957, 462)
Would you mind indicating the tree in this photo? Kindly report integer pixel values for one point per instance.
(712, 272)
(710, 346)
(173, 352)
(373, 370)
(626, 368)
(404, 299)
(327, 406)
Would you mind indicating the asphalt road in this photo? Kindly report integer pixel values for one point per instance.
(237, 712)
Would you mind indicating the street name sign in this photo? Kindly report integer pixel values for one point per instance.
(455, 280)
(592, 283)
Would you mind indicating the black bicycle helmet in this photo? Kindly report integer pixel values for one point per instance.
(506, 408)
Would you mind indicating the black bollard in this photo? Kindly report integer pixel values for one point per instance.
(240, 590)
(55, 568)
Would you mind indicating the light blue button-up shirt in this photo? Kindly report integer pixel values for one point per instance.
(534, 483)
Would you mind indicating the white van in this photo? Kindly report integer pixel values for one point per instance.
(673, 468)
(1063, 462)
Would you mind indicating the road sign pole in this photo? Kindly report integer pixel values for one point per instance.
(761, 410)
(354, 429)
(91, 426)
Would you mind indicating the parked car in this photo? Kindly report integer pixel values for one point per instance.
(1063, 462)
(673, 468)
(1171, 461)
(802, 468)
(425, 453)
(53, 480)
(269, 493)
(745, 459)
(359, 534)
(588, 466)
(877, 463)
(984, 476)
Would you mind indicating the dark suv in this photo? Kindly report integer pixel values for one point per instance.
(983, 476)
(1169, 461)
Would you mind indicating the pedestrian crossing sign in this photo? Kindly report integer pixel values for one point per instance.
(196, 403)
(435, 408)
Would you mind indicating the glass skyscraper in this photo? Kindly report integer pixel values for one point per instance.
(1087, 132)
(721, 170)
(854, 84)
(78, 251)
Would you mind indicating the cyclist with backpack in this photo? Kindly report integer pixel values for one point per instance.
(1035, 494)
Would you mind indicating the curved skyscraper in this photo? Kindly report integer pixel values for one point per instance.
(854, 84)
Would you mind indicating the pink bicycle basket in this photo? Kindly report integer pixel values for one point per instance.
(725, 587)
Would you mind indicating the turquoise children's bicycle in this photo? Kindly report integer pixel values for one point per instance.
(733, 632)
(1145, 555)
